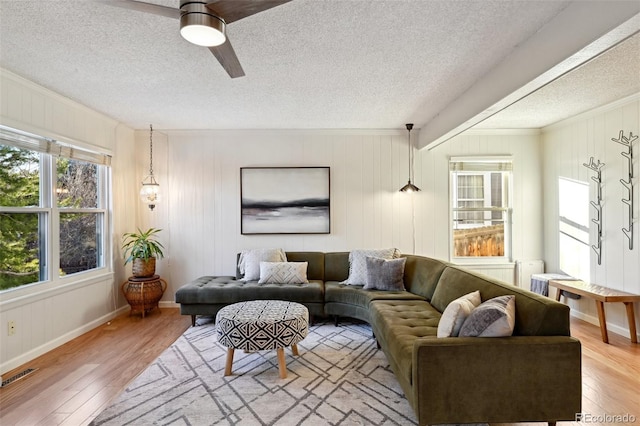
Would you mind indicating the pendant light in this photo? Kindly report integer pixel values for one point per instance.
(150, 191)
(410, 187)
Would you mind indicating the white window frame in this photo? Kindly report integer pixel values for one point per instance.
(482, 165)
(50, 230)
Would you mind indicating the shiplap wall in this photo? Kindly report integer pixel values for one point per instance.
(50, 314)
(432, 204)
(566, 146)
(199, 172)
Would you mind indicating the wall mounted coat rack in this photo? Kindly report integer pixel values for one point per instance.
(628, 184)
(597, 167)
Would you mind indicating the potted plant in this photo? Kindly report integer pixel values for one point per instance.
(142, 248)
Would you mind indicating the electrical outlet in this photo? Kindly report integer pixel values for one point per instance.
(12, 328)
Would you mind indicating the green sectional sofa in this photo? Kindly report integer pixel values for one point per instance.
(533, 375)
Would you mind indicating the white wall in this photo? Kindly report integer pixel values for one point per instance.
(432, 204)
(566, 146)
(50, 314)
(199, 172)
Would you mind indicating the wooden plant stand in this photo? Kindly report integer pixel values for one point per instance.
(143, 294)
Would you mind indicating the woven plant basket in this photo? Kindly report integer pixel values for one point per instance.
(144, 268)
(143, 294)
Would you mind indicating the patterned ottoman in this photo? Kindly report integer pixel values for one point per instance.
(262, 325)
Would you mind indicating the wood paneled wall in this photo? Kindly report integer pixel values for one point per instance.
(199, 172)
(52, 313)
(566, 146)
(432, 204)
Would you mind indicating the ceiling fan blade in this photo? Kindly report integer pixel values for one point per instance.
(140, 6)
(234, 10)
(228, 59)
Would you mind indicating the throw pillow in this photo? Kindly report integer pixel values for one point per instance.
(456, 313)
(249, 262)
(383, 274)
(358, 263)
(494, 318)
(283, 273)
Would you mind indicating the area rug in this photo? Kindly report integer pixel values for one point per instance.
(339, 378)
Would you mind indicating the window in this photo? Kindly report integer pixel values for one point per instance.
(573, 226)
(480, 208)
(53, 213)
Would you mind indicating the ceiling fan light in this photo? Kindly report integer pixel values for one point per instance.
(202, 35)
(199, 27)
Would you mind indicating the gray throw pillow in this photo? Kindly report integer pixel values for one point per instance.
(383, 274)
(494, 318)
(358, 263)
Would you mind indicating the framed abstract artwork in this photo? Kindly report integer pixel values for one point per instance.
(285, 200)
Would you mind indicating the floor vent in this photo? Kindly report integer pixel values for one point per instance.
(18, 376)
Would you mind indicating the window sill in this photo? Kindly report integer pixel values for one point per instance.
(30, 293)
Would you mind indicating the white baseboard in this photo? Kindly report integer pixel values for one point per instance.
(623, 331)
(168, 304)
(59, 341)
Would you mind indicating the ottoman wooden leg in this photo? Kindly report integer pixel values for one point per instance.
(281, 364)
(294, 349)
(229, 365)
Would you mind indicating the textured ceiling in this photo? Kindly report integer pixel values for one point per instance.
(611, 76)
(309, 63)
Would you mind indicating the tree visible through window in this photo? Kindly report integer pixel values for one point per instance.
(40, 193)
(480, 207)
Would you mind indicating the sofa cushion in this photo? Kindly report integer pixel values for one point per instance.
(456, 313)
(356, 295)
(421, 275)
(358, 263)
(283, 272)
(315, 259)
(493, 318)
(385, 274)
(226, 290)
(336, 266)
(398, 324)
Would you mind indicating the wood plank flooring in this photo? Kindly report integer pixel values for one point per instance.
(76, 381)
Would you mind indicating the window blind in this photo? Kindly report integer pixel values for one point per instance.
(459, 164)
(24, 140)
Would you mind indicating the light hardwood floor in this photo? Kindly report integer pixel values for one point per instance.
(76, 381)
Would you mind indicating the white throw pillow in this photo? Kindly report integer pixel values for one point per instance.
(358, 263)
(456, 313)
(283, 273)
(494, 318)
(249, 262)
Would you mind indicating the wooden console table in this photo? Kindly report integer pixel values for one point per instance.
(601, 295)
(143, 294)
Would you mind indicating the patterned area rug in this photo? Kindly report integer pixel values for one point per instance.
(340, 378)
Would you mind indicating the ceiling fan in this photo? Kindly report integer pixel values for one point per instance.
(204, 22)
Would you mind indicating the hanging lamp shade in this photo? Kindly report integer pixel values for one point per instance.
(150, 191)
(410, 187)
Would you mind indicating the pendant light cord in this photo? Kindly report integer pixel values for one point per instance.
(150, 149)
(409, 127)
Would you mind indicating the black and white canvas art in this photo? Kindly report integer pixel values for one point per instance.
(285, 200)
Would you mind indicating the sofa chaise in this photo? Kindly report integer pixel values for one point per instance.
(532, 375)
